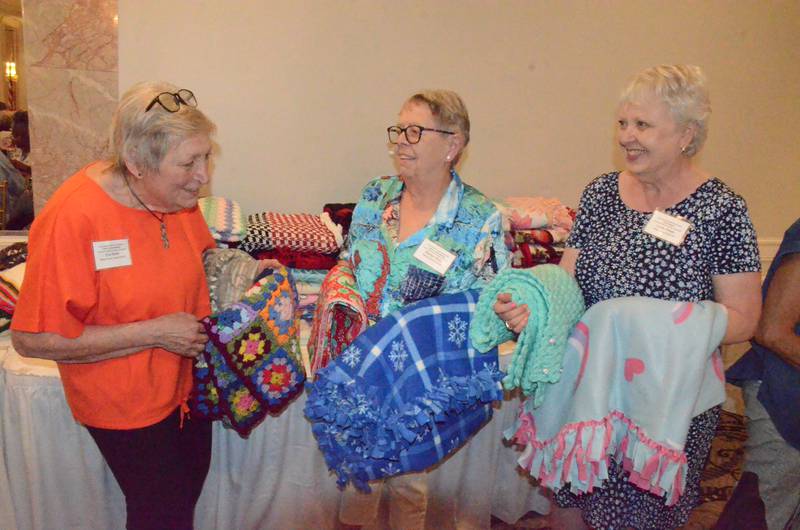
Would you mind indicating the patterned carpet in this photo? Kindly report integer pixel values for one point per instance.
(719, 477)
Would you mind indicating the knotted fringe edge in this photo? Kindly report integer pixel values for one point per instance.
(356, 437)
(580, 452)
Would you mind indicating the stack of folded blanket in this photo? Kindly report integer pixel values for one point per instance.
(10, 285)
(300, 241)
(225, 220)
(536, 229)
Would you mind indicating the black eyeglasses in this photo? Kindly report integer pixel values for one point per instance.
(172, 101)
(413, 133)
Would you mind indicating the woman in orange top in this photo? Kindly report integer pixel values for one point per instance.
(114, 289)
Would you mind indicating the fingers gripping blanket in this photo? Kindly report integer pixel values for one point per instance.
(636, 371)
(250, 366)
(407, 392)
(556, 304)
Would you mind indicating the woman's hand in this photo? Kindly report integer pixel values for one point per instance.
(180, 333)
(268, 263)
(515, 316)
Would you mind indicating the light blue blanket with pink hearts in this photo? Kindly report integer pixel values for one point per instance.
(636, 371)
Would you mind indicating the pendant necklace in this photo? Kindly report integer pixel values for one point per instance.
(164, 238)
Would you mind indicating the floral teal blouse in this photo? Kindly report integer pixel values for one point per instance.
(388, 275)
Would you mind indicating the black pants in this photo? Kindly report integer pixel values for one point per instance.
(160, 469)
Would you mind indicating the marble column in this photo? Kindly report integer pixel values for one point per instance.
(71, 56)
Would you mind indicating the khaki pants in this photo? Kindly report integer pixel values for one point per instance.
(407, 497)
(776, 463)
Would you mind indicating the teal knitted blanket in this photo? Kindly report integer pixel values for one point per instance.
(556, 305)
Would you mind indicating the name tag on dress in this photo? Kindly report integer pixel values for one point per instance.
(434, 256)
(666, 227)
(111, 254)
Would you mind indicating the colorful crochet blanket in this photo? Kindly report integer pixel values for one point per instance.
(556, 304)
(250, 366)
(300, 232)
(409, 391)
(339, 318)
(224, 218)
(636, 371)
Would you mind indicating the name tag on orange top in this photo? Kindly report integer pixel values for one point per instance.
(666, 227)
(434, 256)
(111, 254)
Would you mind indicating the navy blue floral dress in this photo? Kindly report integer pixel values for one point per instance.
(618, 259)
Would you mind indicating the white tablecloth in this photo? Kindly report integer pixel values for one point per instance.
(53, 477)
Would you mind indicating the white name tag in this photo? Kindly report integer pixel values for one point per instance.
(667, 227)
(435, 256)
(111, 254)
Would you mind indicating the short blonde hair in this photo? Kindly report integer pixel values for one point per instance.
(447, 108)
(145, 137)
(683, 89)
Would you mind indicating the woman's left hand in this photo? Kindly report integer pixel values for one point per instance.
(515, 316)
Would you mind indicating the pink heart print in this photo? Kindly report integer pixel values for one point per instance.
(633, 367)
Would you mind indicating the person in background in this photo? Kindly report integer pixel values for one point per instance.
(770, 376)
(113, 292)
(426, 205)
(662, 122)
(20, 136)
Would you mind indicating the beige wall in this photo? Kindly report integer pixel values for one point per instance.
(303, 90)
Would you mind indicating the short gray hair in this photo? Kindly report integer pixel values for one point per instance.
(683, 89)
(145, 137)
(448, 109)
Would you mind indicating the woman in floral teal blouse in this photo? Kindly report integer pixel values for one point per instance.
(418, 234)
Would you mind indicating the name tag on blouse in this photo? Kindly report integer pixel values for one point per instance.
(111, 254)
(434, 256)
(666, 227)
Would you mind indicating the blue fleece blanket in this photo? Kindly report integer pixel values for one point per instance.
(406, 393)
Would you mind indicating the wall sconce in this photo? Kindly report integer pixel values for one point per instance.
(11, 70)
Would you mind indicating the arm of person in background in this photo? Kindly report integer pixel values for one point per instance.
(741, 296)
(179, 333)
(776, 328)
(517, 315)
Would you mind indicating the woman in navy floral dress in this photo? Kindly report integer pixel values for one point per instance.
(662, 123)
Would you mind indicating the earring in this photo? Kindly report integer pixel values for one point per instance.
(449, 158)
(683, 149)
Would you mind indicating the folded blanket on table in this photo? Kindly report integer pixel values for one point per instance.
(298, 232)
(224, 218)
(13, 255)
(229, 274)
(10, 285)
(409, 391)
(527, 255)
(636, 371)
(341, 214)
(299, 260)
(339, 318)
(250, 366)
(524, 213)
(555, 302)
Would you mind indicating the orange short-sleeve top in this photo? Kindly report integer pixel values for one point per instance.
(63, 292)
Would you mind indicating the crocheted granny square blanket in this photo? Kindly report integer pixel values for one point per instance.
(556, 304)
(250, 366)
(636, 371)
(406, 393)
(339, 318)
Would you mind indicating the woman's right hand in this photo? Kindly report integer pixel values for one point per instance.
(180, 333)
(515, 316)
